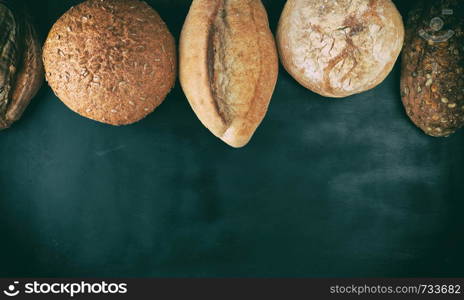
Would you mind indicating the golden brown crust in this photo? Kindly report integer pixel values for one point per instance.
(228, 66)
(432, 78)
(339, 48)
(112, 61)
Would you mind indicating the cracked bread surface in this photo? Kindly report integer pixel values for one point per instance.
(338, 48)
(112, 61)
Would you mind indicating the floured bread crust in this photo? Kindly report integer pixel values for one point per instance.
(338, 48)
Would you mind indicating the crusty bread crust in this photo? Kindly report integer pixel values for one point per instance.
(30, 76)
(432, 81)
(112, 61)
(21, 69)
(228, 66)
(338, 48)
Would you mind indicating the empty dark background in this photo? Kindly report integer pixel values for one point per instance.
(326, 187)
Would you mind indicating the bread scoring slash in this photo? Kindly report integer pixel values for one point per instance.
(338, 48)
(228, 66)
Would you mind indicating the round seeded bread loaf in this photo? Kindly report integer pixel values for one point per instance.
(113, 61)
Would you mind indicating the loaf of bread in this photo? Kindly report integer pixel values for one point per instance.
(432, 78)
(228, 66)
(21, 69)
(338, 48)
(112, 61)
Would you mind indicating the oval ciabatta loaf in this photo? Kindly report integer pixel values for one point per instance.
(228, 66)
(432, 77)
(113, 61)
(338, 48)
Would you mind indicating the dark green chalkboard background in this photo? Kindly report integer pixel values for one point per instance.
(325, 188)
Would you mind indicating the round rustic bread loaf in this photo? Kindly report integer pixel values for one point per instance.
(339, 48)
(113, 61)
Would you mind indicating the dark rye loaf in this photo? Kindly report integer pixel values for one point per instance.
(432, 82)
(228, 66)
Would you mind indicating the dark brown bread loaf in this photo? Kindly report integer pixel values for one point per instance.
(21, 69)
(228, 66)
(432, 82)
(112, 61)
